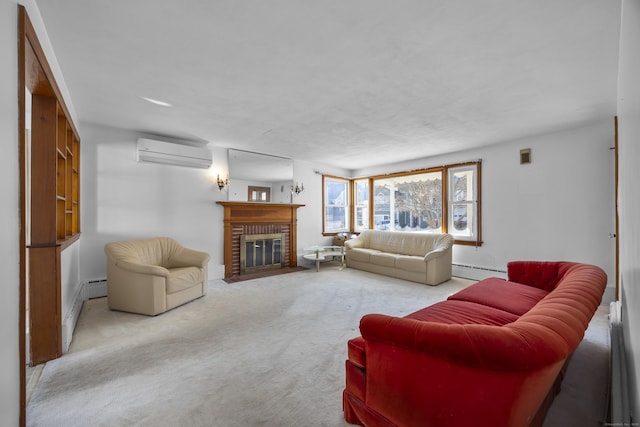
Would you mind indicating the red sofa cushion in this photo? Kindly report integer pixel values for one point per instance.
(501, 294)
(450, 312)
(454, 312)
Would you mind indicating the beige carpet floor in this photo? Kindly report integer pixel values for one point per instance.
(264, 352)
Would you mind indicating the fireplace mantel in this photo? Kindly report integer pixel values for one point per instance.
(248, 214)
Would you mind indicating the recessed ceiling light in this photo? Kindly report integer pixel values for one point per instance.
(155, 101)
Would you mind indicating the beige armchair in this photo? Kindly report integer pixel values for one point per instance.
(151, 276)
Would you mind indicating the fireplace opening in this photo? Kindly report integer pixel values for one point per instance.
(261, 252)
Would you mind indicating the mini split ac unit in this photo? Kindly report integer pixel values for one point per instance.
(169, 153)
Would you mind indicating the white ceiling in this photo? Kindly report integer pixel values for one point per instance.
(351, 83)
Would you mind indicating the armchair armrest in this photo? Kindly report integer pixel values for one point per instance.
(134, 267)
(190, 257)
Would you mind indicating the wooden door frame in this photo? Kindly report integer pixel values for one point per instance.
(36, 75)
(617, 231)
(22, 24)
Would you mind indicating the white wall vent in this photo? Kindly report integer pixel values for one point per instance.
(150, 150)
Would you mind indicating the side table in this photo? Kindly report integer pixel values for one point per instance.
(324, 253)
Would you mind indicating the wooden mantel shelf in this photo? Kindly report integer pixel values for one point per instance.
(254, 213)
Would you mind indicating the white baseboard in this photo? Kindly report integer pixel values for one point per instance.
(216, 272)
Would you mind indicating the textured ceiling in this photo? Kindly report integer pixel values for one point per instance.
(350, 83)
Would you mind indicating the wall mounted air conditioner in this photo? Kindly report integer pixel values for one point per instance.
(150, 150)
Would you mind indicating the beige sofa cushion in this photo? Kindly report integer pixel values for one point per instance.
(411, 263)
(403, 243)
(182, 278)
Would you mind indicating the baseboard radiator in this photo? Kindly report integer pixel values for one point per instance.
(88, 290)
(96, 288)
(71, 318)
(620, 412)
(475, 272)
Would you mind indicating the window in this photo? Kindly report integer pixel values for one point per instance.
(361, 204)
(462, 206)
(259, 194)
(411, 202)
(336, 212)
(445, 199)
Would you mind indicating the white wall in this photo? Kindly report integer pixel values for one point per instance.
(9, 212)
(629, 191)
(123, 199)
(559, 207)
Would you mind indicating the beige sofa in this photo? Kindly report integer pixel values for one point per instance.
(418, 257)
(151, 276)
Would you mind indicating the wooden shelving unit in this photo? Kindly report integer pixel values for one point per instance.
(55, 175)
(53, 180)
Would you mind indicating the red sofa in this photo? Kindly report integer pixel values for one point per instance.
(490, 355)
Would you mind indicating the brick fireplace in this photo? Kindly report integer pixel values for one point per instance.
(251, 218)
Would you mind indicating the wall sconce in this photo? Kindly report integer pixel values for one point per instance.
(222, 183)
(297, 189)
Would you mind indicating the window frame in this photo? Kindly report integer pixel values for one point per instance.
(347, 206)
(475, 238)
(447, 222)
(357, 203)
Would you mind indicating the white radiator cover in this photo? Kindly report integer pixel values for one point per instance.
(620, 408)
(96, 288)
(91, 289)
(71, 318)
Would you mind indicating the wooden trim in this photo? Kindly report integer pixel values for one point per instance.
(22, 305)
(46, 321)
(247, 213)
(53, 218)
(47, 74)
(617, 236)
(479, 203)
(349, 182)
(43, 162)
(445, 201)
(444, 170)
